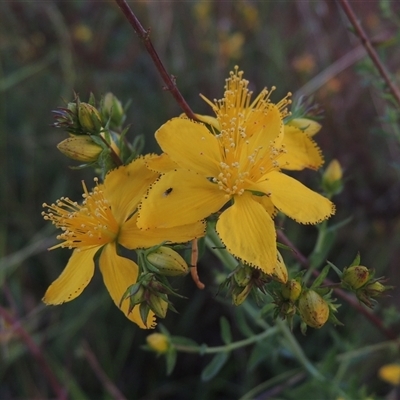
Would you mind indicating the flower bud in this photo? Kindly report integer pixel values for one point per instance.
(239, 296)
(158, 342)
(390, 373)
(333, 172)
(89, 118)
(291, 290)
(157, 305)
(313, 309)
(243, 275)
(308, 126)
(112, 109)
(136, 295)
(168, 262)
(374, 289)
(332, 178)
(80, 148)
(355, 276)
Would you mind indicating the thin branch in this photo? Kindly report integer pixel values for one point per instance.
(36, 352)
(370, 49)
(351, 300)
(101, 375)
(144, 35)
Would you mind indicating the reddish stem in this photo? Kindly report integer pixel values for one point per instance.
(144, 35)
(374, 319)
(36, 352)
(370, 49)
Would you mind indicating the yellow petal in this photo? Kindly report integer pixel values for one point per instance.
(73, 280)
(248, 233)
(296, 200)
(191, 145)
(118, 274)
(179, 197)
(301, 151)
(308, 126)
(125, 186)
(266, 202)
(161, 163)
(268, 133)
(132, 237)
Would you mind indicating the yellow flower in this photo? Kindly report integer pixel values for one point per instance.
(107, 217)
(390, 373)
(237, 168)
(158, 342)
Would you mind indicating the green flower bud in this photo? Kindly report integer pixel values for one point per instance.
(158, 342)
(157, 305)
(136, 295)
(375, 289)
(89, 118)
(112, 109)
(313, 309)
(291, 290)
(240, 296)
(168, 261)
(80, 148)
(243, 275)
(355, 276)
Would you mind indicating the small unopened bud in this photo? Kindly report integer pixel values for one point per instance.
(158, 305)
(243, 275)
(375, 289)
(291, 290)
(89, 118)
(332, 178)
(333, 172)
(308, 126)
(355, 276)
(239, 296)
(168, 261)
(112, 109)
(158, 342)
(80, 148)
(390, 373)
(313, 309)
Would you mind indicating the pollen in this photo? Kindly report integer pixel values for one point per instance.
(88, 224)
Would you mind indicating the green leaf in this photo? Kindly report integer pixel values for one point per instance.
(356, 261)
(321, 277)
(214, 366)
(226, 333)
(170, 359)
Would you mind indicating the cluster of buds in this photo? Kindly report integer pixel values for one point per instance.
(96, 132)
(245, 280)
(361, 281)
(313, 305)
(152, 289)
(150, 294)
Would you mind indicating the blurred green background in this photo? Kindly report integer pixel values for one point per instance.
(50, 49)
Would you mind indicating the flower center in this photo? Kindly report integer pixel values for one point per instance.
(245, 158)
(86, 225)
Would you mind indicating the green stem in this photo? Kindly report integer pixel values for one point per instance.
(228, 347)
(297, 351)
